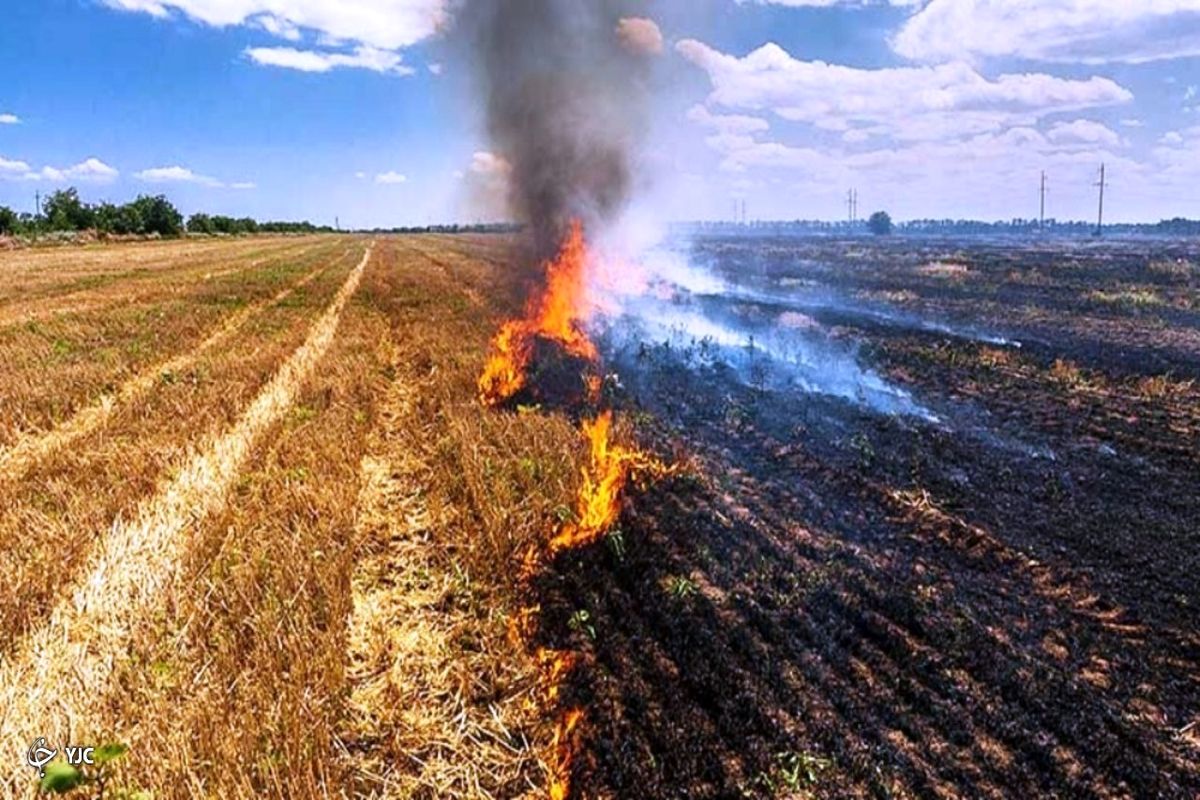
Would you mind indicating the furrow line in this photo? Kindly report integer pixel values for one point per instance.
(33, 447)
(56, 682)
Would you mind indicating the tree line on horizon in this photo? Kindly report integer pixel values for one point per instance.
(64, 211)
(881, 223)
(147, 215)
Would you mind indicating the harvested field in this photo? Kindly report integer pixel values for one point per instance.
(923, 523)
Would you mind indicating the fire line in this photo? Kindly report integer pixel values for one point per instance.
(558, 314)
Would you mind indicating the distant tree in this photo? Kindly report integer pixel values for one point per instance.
(9, 221)
(247, 225)
(158, 215)
(200, 223)
(880, 223)
(1178, 227)
(64, 211)
(106, 218)
(122, 220)
(223, 224)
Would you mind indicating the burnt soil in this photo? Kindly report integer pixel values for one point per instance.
(831, 602)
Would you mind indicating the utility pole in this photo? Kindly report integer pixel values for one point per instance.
(1100, 217)
(854, 214)
(337, 224)
(850, 206)
(37, 214)
(1042, 214)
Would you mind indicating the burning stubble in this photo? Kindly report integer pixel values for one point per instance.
(563, 93)
(564, 98)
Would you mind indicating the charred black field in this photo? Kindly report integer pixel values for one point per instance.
(934, 534)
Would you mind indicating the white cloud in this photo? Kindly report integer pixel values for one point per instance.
(1177, 159)
(727, 123)
(13, 169)
(1083, 131)
(391, 178)
(178, 174)
(384, 24)
(363, 34)
(640, 35)
(989, 175)
(1132, 123)
(740, 152)
(435, 68)
(370, 58)
(91, 170)
(1077, 31)
(914, 103)
(279, 27)
(175, 175)
(9, 119)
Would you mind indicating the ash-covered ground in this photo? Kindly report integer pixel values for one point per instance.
(938, 535)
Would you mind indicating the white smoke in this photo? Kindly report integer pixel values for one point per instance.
(649, 292)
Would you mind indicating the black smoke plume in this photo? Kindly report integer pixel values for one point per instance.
(564, 105)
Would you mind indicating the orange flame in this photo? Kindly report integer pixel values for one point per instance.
(604, 478)
(557, 313)
(564, 754)
(555, 666)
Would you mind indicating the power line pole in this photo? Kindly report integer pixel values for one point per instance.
(1100, 217)
(1042, 214)
(854, 214)
(850, 206)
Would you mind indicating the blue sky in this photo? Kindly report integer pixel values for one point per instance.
(359, 109)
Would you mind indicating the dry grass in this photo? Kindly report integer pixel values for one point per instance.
(420, 720)
(1067, 372)
(51, 369)
(58, 678)
(896, 296)
(1163, 387)
(455, 700)
(58, 509)
(288, 569)
(995, 357)
(1127, 298)
(68, 274)
(255, 629)
(947, 270)
(16, 459)
(131, 288)
(1174, 269)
